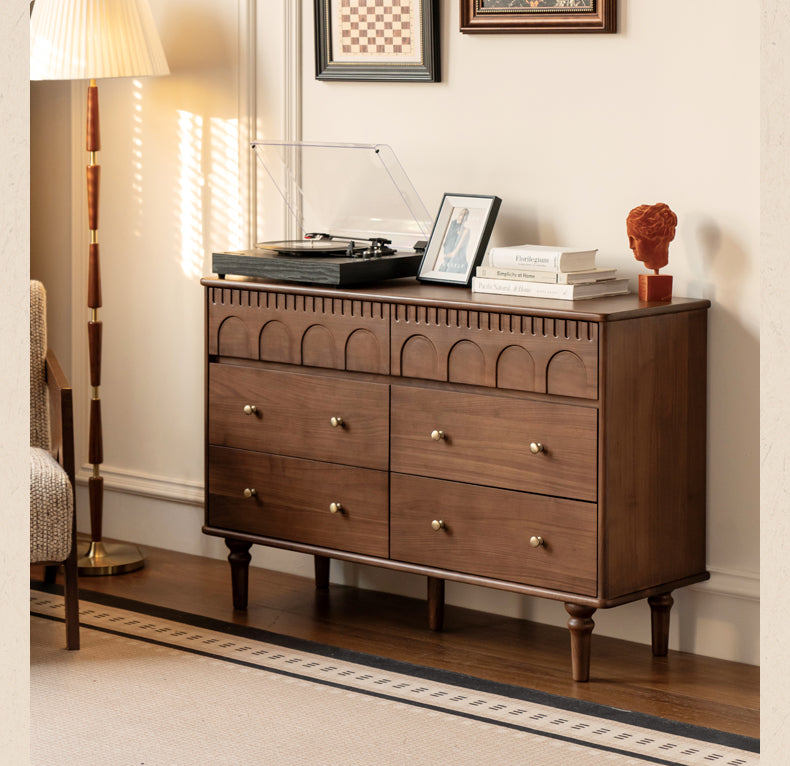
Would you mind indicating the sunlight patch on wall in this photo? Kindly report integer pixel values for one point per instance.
(209, 190)
(137, 155)
(190, 193)
(225, 187)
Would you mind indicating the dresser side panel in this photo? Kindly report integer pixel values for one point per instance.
(653, 452)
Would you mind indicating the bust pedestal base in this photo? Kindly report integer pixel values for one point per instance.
(655, 287)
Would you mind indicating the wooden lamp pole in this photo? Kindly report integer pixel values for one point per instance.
(101, 558)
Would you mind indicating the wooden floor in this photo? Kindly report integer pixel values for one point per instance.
(683, 687)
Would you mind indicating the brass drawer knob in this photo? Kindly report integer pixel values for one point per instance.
(536, 541)
(250, 492)
(336, 508)
(250, 409)
(336, 422)
(437, 436)
(436, 525)
(536, 448)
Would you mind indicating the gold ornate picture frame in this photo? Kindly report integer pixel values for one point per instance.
(377, 40)
(538, 15)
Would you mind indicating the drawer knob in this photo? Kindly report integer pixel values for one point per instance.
(250, 409)
(336, 422)
(536, 448)
(437, 436)
(536, 541)
(250, 492)
(336, 508)
(436, 525)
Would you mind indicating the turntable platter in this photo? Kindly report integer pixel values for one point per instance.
(316, 247)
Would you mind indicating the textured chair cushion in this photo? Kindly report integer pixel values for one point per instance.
(39, 411)
(51, 508)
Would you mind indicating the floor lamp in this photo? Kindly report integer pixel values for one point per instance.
(89, 40)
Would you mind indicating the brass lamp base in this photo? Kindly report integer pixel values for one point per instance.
(110, 559)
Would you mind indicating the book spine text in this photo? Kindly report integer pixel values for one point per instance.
(514, 287)
(520, 260)
(525, 275)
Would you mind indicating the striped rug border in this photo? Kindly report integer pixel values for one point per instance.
(436, 675)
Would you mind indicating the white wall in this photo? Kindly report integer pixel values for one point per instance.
(775, 428)
(572, 131)
(14, 384)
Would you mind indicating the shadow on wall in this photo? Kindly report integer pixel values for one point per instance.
(196, 42)
(718, 264)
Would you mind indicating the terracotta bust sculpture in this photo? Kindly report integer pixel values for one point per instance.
(650, 229)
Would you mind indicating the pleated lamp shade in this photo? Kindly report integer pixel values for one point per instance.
(92, 39)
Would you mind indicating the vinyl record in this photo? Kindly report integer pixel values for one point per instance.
(316, 247)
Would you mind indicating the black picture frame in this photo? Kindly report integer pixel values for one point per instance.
(339, 55)
(547, 16)
(459, 238)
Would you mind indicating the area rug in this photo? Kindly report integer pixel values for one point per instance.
(156, 687)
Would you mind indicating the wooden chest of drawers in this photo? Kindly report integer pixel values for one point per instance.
(548, 448)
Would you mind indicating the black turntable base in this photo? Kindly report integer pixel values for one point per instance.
(339, 270)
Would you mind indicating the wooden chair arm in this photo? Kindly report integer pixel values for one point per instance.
(61, 413)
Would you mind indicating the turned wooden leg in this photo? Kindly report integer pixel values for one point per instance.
(322, 572)
(435, 603)
(581, 626)
(239, 558)
(659, 619)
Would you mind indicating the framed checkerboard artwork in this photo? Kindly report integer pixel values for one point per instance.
(377, 40)
(538, 15)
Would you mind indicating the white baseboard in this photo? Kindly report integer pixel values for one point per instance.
(146, 485)
(731, 583)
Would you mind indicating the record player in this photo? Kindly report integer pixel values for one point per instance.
(345, 214)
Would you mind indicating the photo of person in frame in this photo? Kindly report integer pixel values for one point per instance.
(454, 258)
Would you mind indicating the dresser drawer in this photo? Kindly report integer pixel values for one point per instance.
(487, 532)
(293, 415)
(293, 500)
(484, 439)
(546, 355)
(270, 325)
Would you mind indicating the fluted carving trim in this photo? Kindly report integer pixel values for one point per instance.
(536, 326)
(493, 333)
(340, 319)
(276, 301)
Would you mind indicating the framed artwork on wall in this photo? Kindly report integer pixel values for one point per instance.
(538, 15)
(459, 238)
(377, 40)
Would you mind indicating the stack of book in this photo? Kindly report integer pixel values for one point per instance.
(539, 271)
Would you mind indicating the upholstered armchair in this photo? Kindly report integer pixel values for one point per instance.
(52, 508)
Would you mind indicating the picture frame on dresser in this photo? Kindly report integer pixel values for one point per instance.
(459, 238)
(382, 41)
(538, 16)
